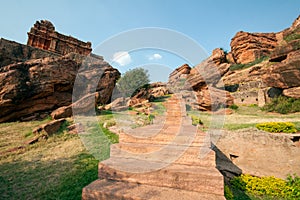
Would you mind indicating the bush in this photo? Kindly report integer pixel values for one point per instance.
(283, 105)
(132, 80)
(196, 120)
(277, 127)
(233, 107)
(268, 186)
(228, 193)
(247, 65)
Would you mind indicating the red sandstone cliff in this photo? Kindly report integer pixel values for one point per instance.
(259, 66)
(35, 81)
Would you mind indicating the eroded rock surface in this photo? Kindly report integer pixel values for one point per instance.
(35, 87)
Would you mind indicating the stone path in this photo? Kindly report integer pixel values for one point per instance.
(169, 161)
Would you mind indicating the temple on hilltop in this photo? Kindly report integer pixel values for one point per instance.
(43, 35)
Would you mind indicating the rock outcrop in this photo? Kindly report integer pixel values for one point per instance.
(198, 83)
(259, 67)
(43, 35)
(258, 153)
(32, 88)
(247, 47)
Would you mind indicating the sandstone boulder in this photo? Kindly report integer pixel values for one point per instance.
(62, 112)
(292, 92)
(50, 128)
(211, 98)
(247, 47)
(197, 86)
(38, 86)
(178, 78)
(146, 94)
(218, 56)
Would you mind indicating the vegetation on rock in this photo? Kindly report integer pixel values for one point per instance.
(250, 64)
(283, 105)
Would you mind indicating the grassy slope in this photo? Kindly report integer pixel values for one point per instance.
(246, 117)
(57, 168)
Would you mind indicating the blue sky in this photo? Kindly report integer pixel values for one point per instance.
(209, 23)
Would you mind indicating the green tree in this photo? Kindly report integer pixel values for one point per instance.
(133, 80)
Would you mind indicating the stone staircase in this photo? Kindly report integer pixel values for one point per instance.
(170, 160)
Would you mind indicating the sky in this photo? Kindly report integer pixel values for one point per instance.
(210, 24)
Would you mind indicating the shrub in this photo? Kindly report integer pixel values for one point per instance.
(228, 193)
(293, 36)
(233, 107)
(247, 65)
(277, 127)
(270, 186)
(283, 105)
(196, 120)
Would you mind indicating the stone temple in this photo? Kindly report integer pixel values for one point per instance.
(43, 35)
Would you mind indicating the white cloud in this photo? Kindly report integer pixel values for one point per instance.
(155, 56)
(122, 58)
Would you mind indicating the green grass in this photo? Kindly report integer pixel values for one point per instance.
(233, 127)
(295, 35)
(159, 109)
(244, 117)
(56, 168)
(247, 65)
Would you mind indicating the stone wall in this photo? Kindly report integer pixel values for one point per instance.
(43, 35)
(255, 92)
(258, 153)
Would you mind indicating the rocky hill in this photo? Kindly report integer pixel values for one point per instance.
(34, 81)
(259, 67)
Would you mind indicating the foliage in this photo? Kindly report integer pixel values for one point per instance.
(113, 138)
(233, 107)
(268, 186)
(277, 127)
(247, 65)
(133, 80)
(293, 36)
(196, 120)
(283, 105)
(228, 193)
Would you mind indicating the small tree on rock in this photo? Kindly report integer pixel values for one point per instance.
(133, 80)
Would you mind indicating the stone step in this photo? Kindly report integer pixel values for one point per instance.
(186, 137)
(192, 178)
(160, 153)
(115, 190)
